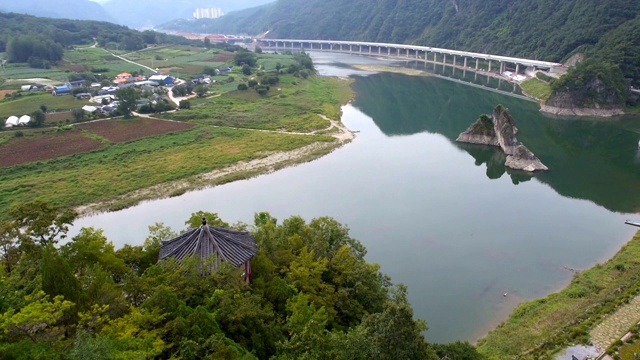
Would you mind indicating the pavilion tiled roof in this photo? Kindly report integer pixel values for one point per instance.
(236, 247)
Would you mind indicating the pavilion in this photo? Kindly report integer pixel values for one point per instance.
(215, 244)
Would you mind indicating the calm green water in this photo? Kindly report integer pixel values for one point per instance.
(444, 218)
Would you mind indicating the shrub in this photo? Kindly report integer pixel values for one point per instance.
(242, 87)
(184, 104)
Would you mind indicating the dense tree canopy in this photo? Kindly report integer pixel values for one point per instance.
(312, 296)
(538, 29)
(24, 37)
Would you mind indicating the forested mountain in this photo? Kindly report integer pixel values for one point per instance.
(148, 13)
(41, 41)
(544, 29)
(61, 9)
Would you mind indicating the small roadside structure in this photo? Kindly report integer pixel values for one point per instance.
(83, 96)
(61, 90)
(159, 78)
(89, 108)
(213, 244)
(24, 120)
(11, 121)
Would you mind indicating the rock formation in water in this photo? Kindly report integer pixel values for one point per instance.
(499, 129)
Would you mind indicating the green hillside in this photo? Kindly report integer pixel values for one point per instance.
(541, 29)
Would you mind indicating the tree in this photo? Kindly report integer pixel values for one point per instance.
(58, 277)
(9, 250)
(252, 83)
(246, 69)
(242, 87)
(78, 114)
(245, 57)
(37, 118)
(258, 50)
(207, 43)
(212, 219)
(43, 223)
(278, 67)
(43, 107)
(38, 319)
(394, 334)
(184, 104)
(200, 90)
(127, 98)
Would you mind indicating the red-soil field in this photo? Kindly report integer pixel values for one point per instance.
(127, 130)
(22, 150)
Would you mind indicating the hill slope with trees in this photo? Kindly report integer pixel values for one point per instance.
(539, 29)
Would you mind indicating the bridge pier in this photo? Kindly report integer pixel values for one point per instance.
(490, 65)
(379, 50)
(517, 68)
(477, 63)
(444, 59)
(388, 51)
(465, 62)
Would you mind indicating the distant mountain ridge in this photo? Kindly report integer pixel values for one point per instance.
(537, 29)
(59, 9)
(149, 13)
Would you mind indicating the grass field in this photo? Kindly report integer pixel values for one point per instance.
(539, 328)
(536, 88)
(120, 168)
(32, 101)
(292, 108)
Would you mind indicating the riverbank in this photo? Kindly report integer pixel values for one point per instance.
(241, 170)
(238, 135)
(542, 327)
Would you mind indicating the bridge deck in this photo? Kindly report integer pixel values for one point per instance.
(515, 60)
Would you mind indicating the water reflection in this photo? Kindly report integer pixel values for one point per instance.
(589, 158)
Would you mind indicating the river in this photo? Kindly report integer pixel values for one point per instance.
(446, 219)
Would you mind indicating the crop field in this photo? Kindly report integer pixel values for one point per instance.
(22, 150)
(23, 71)
(32, 101)
(119, 131)
(118, 169)
(294, 107)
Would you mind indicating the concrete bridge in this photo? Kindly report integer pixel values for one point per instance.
(428, 54)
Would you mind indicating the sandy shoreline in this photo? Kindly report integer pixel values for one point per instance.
(239, 171)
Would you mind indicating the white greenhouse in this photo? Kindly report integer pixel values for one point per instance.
(24, 120)
(11, 121)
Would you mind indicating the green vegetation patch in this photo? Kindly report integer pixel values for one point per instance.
(293, 104)
(536, 88)
(539, 328)
(30, 102)
(121, 168)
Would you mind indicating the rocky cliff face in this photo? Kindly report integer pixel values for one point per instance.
(480, 132)
(594, 99)
(499, 129)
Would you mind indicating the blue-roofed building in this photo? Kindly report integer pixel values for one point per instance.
(61, 90)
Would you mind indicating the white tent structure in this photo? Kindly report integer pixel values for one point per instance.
(24, 120)
(11, 121)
